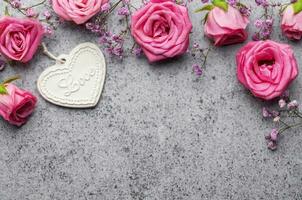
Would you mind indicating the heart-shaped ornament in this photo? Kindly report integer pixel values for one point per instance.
(79, 81)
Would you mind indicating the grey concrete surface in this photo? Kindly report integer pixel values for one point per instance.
(157, 133)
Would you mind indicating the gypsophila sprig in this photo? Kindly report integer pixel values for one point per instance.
(264, 24)
(49, 22)
(113, 43)
(286, 116)
(200, 55)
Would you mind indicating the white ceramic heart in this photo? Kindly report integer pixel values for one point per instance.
(78, 82)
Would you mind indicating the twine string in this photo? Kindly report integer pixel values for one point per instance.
(50, 55)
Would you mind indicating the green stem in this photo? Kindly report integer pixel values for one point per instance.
(286, 124)
(134, 44)
(297, 113)
(19, 9)
(127, 19)
(11, 79)
(133, 7)
(111, 9)
(206, 57)
(49, 23)
(38, 4)
(291, 126)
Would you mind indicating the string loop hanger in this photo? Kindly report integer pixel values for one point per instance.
(51, 56)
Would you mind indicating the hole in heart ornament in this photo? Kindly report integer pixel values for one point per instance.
(78, 81)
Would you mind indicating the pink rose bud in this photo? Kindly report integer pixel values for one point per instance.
(226, 28)
(266, 68)
(17, 105)
(24, 34)
(77, 12)
(291, 24)
(162, 29)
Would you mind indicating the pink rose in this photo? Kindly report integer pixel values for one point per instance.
(162, 29)
(266, 68)
(20, 38)
(17, 105)
(226, 28)
(291, 24)
(79, 11)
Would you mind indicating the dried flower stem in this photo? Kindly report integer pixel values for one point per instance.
(289, 127)
(103, 17)
(21, 10)
(206, 56)
(36, 5)
(18, 9)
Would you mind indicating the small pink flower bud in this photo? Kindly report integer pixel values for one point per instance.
(137, 51)
(276, 119)
(282, 103)
(274, 135)
(31, 13)
(15, 3)
(105, 7)
(48, 31)
(47, 15)
(123, 11)
(292, 105)
(272, 145)
(266, 113)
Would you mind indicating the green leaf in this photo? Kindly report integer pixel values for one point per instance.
(205, 18)
(11, 79)
(6, 12)
(221, 4)
(297, 6)
(3, 89)
(208, 7)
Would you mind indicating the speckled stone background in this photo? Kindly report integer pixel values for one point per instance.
(157, 133)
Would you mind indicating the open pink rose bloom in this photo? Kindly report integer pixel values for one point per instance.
(266, 68)
(20, 38)
(162, 29)
(79, 11)
(291, 24)
(226, 28)
(17, 105)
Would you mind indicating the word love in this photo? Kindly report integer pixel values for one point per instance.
(72, 85)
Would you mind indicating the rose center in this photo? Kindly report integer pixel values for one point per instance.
(17, 41)
(266, 67)
(160, 29)
(266, 62)
(81, 3)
